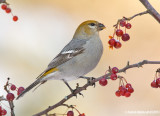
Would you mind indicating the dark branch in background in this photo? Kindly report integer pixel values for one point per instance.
(79, 89)
(151, 10)
(11, 105)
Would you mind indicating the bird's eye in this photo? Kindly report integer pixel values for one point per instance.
(92, 24)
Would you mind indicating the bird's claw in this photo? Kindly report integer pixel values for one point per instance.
(89, 81)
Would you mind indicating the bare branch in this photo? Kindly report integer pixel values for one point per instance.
(78, 90)
(130, 18)
(151, 10)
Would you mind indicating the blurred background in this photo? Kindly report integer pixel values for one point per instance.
(46, 26)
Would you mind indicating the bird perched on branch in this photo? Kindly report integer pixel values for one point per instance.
(77, 58)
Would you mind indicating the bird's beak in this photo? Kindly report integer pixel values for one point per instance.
(101, 26)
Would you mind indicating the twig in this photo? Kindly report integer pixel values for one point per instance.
(130, 18)
(151, 10)
(78, 90)
(2, 98)
(10, 102)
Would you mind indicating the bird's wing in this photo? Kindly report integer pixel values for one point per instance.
(72, 49)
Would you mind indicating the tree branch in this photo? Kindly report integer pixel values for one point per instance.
(151, 10)
(78, 90)
(130, 18)
(10, 102)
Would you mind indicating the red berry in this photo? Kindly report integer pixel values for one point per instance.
(128, 85)
(4, 6)
(128, 25)
(3, 112)
(15, 18)
(117, 44)
(115, 70)
(112, 42)
(118, 94)
(119, 32)
(154, 84)
(158, 81)
(123, 90)
(13, 87)
(130, 89)
(20, 90)
(70, 113)
(0, 108)
(122, 23)
(127, 94)
(10, 97)
(113, 76)
(125, 37)
(120, 87)
(8, 10)
(103, 82)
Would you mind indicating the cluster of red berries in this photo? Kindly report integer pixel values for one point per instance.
(120, 34)
(71, 113)
(114, 71)
(10, 96)
(2, 111)
(8, 10)
(156, 82)
(124, 90)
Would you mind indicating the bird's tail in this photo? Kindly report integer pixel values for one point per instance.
(29, 87)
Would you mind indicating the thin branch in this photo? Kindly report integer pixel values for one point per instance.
(78, 90)
(2, 98)
(151, 10)
(10, 102)
(130, 18)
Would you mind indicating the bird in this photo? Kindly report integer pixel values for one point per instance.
(80, 56)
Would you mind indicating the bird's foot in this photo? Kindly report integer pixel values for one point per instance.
(74, 91)
(89, 80)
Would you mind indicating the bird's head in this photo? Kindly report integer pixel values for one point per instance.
(88, 28)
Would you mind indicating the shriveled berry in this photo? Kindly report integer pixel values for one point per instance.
(130, 89)
(10, 97)
(82, 114)
(15, 18)
(128, 25)
(4, 6)
(118, 94)
(3, 112)
(115, 70)
(20, 90)
(13, 87)
(103, 82)
(112, 42)
(70, 113)
(154, 84)
(8, 10)
(127, 94)
(113, 76)
(125, 37)
(119, 32)
(128, 85)
(122, 23)
(118, 44)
